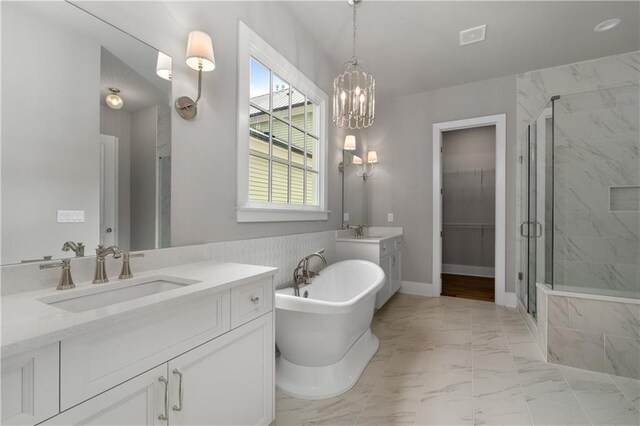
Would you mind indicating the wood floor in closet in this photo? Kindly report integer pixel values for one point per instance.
(468, 287)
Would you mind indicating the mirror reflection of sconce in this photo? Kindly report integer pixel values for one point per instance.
(200, 58)
(366, 170)
(349, 145)
(164, 67)
(113, 99)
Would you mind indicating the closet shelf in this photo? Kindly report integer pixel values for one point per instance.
(468, 172)
(469, 225)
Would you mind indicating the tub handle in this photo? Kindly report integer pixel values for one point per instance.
(255, 299)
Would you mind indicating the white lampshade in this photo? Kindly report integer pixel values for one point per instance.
(200, 51)
(164, 67)
(372, 157)
(349, 143)
(357, 160)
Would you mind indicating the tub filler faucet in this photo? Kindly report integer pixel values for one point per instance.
(302, 274)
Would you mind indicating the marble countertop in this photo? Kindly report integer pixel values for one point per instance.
(28, 323)
(374, 235)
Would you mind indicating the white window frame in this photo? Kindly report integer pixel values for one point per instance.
(250, 45)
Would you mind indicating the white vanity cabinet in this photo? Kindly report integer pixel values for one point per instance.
(205, 359)
(30, 386)
(227, 381)
(386, 252)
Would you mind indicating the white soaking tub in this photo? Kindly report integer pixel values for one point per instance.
(325, 339)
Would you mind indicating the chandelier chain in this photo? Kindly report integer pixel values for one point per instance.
(354, 57)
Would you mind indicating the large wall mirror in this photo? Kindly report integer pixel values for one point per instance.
(74, 166)
(354, 196)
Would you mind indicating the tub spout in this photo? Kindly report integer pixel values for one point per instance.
(302, 274)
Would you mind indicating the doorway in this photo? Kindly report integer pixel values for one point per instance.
(469, 211)
(108, 190)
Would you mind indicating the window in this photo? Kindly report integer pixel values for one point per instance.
(281, 137)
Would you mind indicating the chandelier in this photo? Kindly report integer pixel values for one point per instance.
(354, 90)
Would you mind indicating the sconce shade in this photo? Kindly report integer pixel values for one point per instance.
(164, 66)
(357, 160)
(349, 143)
(200, 51)
(372, 157)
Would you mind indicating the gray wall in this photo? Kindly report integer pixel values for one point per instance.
(118, 123)
(41, 172)
(204, 150)
(402, 183)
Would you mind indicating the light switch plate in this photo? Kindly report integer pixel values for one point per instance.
(389, 217)
(70, 216)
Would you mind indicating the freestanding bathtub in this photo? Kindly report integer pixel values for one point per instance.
(325, 339)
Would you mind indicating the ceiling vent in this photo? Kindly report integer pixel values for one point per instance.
(473, 35)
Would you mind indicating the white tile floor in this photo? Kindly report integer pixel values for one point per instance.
(456, 361)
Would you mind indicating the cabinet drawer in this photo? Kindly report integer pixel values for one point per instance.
(30, 386)
(398, 244)
(251, 300)
(138, 401)
(94, 362)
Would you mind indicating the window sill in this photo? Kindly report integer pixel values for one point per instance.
(262, 214)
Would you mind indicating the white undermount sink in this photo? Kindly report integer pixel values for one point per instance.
(81, 300)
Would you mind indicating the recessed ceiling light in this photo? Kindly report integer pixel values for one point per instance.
(607, 25)
(473, 35)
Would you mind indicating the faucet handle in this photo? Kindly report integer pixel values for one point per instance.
(66, 281)
(126, 265)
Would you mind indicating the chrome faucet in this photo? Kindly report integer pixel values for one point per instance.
(100, 274)
(302, 274)
(125, 272)
(65, 282)
(77, 248)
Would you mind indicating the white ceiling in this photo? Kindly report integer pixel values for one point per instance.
(413, 46)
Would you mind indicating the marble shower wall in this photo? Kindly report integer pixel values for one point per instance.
(596, 335)
(596, 248)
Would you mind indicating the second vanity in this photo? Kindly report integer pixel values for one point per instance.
(380, 245)
(191, 344)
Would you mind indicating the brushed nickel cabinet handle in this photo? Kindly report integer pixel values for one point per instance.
(163, 416)
(255, 299)
(180, 391)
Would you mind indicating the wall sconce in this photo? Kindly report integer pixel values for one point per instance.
(367, 168)
(200, 58)
(164, 67)
(113, 99)
(349, 145)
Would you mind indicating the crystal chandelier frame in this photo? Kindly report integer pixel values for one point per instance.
(354, 90)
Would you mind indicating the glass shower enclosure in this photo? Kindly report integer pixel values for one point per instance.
(580, 196)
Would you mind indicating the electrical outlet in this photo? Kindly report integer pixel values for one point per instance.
(345, 217)
(389, 217)
(70, 216)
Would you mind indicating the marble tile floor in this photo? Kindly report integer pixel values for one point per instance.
(451, 361)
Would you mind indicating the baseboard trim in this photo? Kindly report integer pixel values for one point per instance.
(417, 288)
(474, 271)
(509, 299)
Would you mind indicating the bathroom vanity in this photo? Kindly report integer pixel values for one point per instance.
(192, 344)
(382, 246)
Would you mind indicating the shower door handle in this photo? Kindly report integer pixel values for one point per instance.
(538, 234)
(522, 225)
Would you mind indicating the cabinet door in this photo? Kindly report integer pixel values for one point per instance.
(395, 268)
(385, 292)
(228, 381)
(139, 401)
(30, 386)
